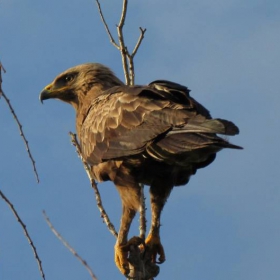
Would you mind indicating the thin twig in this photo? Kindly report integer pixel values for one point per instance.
(25, 233)
(106, 26)
(4, 71)
(141, 37)
(68, 246)
(103, 213)
(19, 125)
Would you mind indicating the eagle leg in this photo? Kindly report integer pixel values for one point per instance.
(130, 204)
(153, 243)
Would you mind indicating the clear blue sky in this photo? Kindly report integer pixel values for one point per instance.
(225, 223)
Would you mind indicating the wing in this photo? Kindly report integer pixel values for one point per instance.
(125, 120)
(180, 94)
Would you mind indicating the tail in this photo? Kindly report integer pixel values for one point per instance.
(200, 124)
(206, 129)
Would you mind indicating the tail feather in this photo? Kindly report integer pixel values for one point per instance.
(200, 124)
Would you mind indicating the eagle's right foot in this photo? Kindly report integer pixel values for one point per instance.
(121, 253)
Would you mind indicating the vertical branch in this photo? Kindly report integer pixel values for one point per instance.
(123, 48)
(140, 264)
(127, 58)
(67, 245)
(19, 125)
(142, 219)
(25, 233)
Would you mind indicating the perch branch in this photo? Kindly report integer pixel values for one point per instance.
(103, 213)
(142, 219)
(25, 233)
(68, 246)
(140, 264)
(19, 125)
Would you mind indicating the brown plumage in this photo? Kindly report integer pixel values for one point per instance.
(156, 135)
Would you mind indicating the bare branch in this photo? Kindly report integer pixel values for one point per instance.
(103, 213)
(123, 15)
(123, 48)
(19, 125)
(4, 71)
(131, 56)
(106, 26)
(140, 263)
(25, 233)
(141, 37)
(68, 246)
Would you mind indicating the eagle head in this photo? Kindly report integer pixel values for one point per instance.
(76, 84)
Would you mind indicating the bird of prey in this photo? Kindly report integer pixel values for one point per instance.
(157, 135)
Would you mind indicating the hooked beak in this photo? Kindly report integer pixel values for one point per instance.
(46, 93)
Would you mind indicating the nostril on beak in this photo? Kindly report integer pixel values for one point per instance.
(48, 87)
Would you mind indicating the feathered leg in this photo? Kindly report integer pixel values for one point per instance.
(159, 195)
(130, 205)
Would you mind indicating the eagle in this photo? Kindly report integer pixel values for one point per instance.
(155, 134)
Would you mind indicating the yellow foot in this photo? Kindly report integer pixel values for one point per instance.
(121, 253)
(155, 248)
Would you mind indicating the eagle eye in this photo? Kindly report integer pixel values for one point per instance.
(68, 78)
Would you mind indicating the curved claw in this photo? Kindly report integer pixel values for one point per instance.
(121, 253)
(155, 248)
(121, 259)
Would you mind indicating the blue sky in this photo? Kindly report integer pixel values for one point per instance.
(225, 223)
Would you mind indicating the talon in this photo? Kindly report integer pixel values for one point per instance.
(121, 259)
(155, 248)
(121, 253)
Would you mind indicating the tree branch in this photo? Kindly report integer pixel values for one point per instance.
(103, 213)
(141, 266)
(19, 124)
(142, 212)
(123, 48)
(68, 246)
(25, 233)
(127, 58)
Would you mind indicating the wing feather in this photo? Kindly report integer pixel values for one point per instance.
(126, 121)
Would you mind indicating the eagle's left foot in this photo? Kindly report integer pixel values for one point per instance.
(155, 248)
(121, 253)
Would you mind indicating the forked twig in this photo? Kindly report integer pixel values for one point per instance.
(131, 56)
(25, 233)
(103, 213)
(69, 247)
(127, 58)
(19, 124)
(141, 37)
